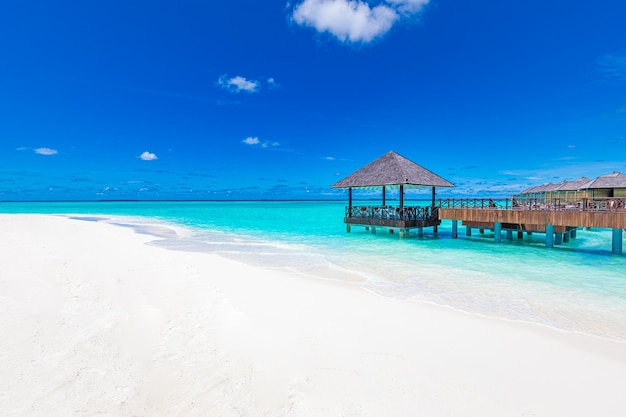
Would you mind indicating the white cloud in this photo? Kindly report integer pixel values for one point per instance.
(271, 82)
(355, 20)
(21, 148)
(148, 156)
(351, 20)
(251, 141)
(238, 84)
(256, 141)
(46, 151)
(408, 6)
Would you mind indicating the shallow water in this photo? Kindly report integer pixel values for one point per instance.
(578, 286)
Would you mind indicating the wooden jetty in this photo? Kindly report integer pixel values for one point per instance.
(558, 219)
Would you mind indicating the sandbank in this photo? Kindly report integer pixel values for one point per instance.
(95, 321)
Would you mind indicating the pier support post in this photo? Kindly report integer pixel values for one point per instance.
(468, 231)
(373, 230)
(566, 237)
(573, 234)
(558, 238)
(497, 229)
(420, 231)
(509, 234)
(435, 229)
(347, 227)
(617, 242)
(549, 236)
(455, 228)
(482, 231)
(520, 235)
(403, 232)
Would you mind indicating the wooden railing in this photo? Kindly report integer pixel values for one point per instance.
(393, 213)
(610, 204)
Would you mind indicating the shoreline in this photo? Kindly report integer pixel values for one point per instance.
(164, 231)
(99, 320)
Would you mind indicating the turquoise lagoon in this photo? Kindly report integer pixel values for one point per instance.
(578, 286)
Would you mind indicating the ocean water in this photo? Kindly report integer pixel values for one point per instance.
(578, 286)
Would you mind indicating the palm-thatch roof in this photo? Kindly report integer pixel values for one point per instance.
(612, 180)
(573, 185)
(392, 169)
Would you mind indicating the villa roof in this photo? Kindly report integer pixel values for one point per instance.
(612, 180)
(541, 188)
(392, 169)
(574, 185)
(533, 189)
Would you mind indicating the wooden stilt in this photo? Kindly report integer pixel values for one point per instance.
(549, 236)
(616, 247)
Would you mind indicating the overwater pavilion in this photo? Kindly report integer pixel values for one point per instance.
(392, 171)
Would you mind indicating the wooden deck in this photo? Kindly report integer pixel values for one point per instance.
(607, 213)
(558, 219)
(392, 217)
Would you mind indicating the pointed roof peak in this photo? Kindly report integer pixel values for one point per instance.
(392, 169)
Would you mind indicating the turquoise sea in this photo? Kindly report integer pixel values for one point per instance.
(578, 286)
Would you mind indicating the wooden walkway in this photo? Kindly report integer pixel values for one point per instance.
(558, 219)
(607, 213)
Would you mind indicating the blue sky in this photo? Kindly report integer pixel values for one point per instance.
(271, 99)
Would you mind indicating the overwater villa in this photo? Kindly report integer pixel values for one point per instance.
(611, 185)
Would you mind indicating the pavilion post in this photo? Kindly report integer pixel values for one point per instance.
(433, 196)
(384, 197)
(401, 196)
(350, 198)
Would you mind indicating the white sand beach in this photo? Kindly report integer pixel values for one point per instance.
(96, 322)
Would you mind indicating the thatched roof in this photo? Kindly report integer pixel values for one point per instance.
(549, 187)
(392, 169)
(534, 189)
(612, 180)
(574, 185)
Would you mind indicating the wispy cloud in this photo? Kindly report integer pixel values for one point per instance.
(46, 151)
(354, 20)
(408, 6)
(254, 141)
(271, 83)
(613, 66)
(251, 141)
(238, 84)
(148, 156)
